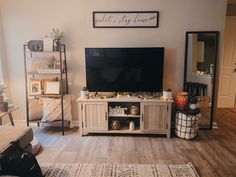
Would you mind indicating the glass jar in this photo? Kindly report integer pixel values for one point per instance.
(181, 100)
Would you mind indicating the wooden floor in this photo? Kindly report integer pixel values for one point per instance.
(213, 152)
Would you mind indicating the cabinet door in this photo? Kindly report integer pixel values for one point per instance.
(154, 117)
(94, 116)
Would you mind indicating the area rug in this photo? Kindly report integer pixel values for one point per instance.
(117, 170)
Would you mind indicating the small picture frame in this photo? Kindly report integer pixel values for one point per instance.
(52, 87)
(35, 87)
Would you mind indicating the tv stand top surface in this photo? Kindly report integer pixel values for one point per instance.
(125, 99)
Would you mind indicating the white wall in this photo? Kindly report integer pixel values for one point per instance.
(24, 20)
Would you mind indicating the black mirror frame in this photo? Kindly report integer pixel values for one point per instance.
(213, 102)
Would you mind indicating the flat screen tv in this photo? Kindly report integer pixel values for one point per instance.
(124, 69)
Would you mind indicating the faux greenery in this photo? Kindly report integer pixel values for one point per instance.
(56, 34)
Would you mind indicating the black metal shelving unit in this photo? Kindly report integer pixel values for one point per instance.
(62, 75)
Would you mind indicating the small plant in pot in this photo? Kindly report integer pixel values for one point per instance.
(192, 101)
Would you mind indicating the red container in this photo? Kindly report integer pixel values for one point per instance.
(181, 100)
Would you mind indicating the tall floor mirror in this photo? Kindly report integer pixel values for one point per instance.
(200, 71)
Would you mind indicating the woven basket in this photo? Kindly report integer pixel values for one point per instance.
(186, 125)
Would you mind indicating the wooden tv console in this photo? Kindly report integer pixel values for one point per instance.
(96, 115)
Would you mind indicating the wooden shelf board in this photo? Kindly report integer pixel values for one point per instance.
(52, 96)
(124, 115)
(125, 129)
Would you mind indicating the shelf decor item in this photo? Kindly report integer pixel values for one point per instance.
(192, 101)
(84, 93)
(52, 87)
(134, 110)
(131, 126)
(167, 94)
(35, 87)
(4, 106)
(3, 88)
(56, 35)
(35, 45)
(48, 43)
(181, 100)
(115, 124)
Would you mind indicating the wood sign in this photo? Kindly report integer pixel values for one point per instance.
(130, 19)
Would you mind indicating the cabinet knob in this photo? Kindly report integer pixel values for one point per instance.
(234, 70)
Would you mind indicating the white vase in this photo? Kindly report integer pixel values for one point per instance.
(48, 44)
(131, 126)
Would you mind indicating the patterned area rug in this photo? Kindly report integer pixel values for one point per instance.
(117, 170)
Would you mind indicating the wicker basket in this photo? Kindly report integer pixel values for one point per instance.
(186, 125)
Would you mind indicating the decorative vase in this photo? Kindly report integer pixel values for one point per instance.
(181, 100)
(115, 124)
(56, 45)
(131, 126)
(134, 110)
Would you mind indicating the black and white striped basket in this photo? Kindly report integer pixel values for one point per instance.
(186, 125)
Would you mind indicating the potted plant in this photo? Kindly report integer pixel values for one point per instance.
(192, 101)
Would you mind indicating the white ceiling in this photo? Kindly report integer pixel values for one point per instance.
(231, 1)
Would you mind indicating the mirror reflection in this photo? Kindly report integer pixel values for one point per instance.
(200, 61)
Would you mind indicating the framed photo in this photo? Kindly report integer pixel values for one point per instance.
(35, 87)
(125, 19)
(52, 87)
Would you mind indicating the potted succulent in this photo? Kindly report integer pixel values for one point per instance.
(192, 101)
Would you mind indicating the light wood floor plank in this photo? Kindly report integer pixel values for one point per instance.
(213, 152)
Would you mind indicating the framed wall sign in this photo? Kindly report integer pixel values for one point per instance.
(125, 19)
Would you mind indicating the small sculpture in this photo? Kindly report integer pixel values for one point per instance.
(115, 124)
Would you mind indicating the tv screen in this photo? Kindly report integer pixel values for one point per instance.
(124, 69)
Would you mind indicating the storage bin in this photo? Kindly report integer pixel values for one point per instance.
(186, 124)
